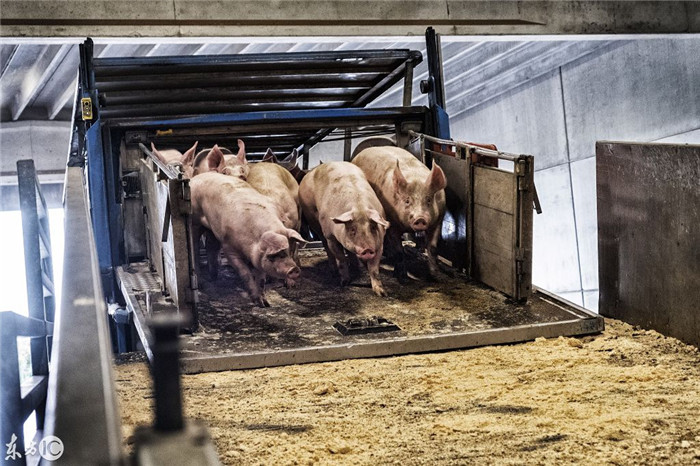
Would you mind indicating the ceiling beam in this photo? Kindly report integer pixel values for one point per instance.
(37, 76)
(197, 18)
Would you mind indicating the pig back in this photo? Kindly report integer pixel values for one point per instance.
(233, 210)
(276, 183)
(341, 186)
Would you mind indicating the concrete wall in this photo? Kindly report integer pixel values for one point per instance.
(44, 141)
(644, 90)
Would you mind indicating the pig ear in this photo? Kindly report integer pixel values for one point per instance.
(293, 234)
(436, 180)
(377, 218)
(269, 155)
(215, 160)
(343, 218)
(400, 182)
(188, 157)
(290, 161)
(158, 155)
(241, 152)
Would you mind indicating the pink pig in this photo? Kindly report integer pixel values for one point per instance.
(344, 212)
(412, 195)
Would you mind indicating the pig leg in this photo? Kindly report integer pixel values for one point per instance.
(373, 269)
(336, 255)
(250, 278)
(353, 263)
(395, 251)
(432, 237)
(213, 248)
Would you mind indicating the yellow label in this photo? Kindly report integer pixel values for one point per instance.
(86, 105)
(164, 133)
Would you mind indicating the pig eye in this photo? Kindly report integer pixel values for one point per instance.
(407, 201)
(428, 199)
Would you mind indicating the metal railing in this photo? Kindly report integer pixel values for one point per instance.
(81, 407)
(19, 400)
(465, 145)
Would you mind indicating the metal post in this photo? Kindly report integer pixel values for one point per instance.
(305, 158)
(408, 84)
(347, 153)
(166, 373)
(11, 420)
(37, 278)
(434, 86)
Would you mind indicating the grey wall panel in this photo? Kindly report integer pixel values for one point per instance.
(331, 151)
(44, 141)
(645, 90)
(688, 137)
(575, 297)
(528, 120)
(590, 300)
(555, 264)
(583, 184)
(648, 217)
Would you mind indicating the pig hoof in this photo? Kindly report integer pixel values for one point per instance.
(261, 302)
(290, 283)
(379, 291)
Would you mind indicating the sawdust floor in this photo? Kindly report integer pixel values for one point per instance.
(626, 396)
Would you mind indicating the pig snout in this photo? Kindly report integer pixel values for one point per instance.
(419, 224)
(365, 254)
(293, 273)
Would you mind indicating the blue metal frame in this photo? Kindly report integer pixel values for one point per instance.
(102, 135)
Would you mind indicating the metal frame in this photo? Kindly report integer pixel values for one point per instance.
(18, 400)
(483, 161)
(81, 368)
(582, 322)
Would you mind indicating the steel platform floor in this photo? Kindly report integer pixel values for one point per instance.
(298, 327)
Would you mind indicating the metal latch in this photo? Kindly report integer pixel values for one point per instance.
(373, 324)
(86, 107)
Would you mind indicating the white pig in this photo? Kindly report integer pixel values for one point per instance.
(412, 195)
(245, 223)
(344, 211)
(174, 158)
(234, 165)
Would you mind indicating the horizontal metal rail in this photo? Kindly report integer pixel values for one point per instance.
(167, 170)
(336, 60)
(81, 407)
(471, 147)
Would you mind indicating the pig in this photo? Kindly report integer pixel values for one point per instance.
(245, 223)
(344, 211)
(235, 165)
(290, 163)
(174, 158)
(278, 185)
(412, 195)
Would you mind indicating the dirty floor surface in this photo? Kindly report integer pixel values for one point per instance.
(626, 396)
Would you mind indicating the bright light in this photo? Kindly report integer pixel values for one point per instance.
(13, 284)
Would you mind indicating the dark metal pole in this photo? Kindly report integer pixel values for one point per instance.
(166, 372)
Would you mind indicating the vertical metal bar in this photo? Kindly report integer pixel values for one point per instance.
(166, 373)
(436, 85)
(98, 204)
(11, 422)
(305, 158)
(470, 216)
(26, 177)
(347, 149)
(408, 84)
